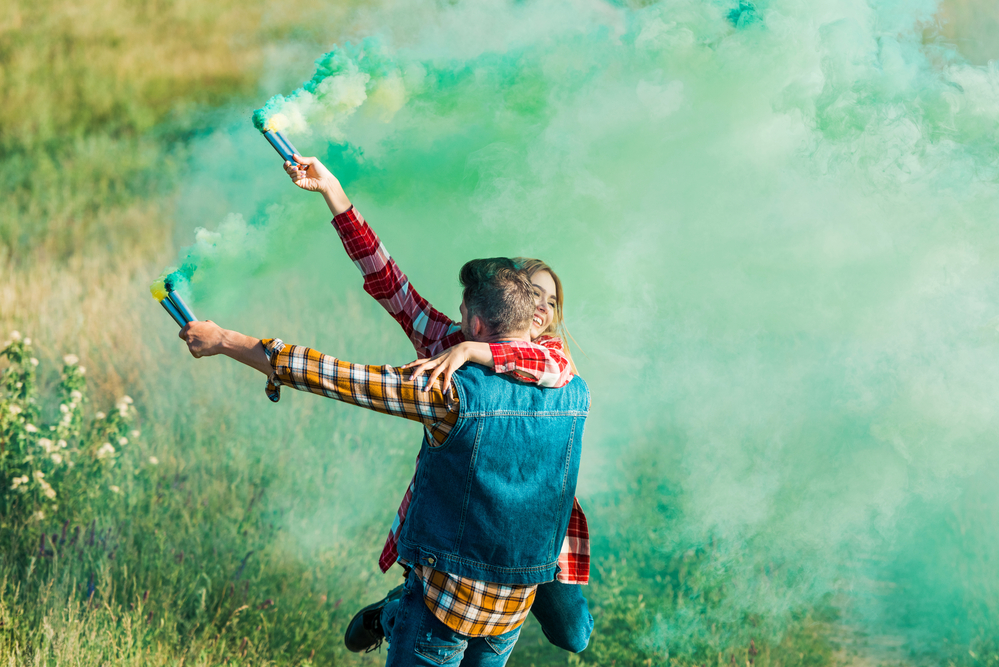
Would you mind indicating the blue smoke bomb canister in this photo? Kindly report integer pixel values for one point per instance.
(281, 145)
(172, 309)
(181, 307)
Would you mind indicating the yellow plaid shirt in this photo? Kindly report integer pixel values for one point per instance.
(469, 607)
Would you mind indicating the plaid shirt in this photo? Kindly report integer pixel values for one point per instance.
(432, 332)
(470, 607)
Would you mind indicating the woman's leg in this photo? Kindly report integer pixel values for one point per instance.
(563, 614)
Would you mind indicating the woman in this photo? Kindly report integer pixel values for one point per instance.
(559, 606)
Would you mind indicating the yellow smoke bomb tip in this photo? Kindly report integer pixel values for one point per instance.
(158, 290)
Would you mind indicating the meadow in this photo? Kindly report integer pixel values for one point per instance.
(212, 532)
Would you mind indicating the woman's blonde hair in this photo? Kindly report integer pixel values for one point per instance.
(557, 327)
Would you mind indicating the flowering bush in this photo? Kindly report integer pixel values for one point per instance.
(53, 462)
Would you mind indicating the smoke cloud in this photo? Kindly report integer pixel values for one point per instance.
(774, 224)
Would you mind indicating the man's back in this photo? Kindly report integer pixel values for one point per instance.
(493, 501)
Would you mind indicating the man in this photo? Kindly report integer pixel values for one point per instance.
(495, 492)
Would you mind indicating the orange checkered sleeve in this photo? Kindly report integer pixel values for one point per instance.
(383, 389)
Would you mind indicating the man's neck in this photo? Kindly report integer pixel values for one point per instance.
(524, 336)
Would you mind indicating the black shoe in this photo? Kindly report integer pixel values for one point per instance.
(364, 633)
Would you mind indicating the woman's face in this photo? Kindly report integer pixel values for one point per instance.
(544, 292)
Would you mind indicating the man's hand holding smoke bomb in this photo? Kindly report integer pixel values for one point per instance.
(207, 339)
(311, 174)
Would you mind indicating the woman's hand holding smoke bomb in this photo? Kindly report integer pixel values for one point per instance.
(312, 175)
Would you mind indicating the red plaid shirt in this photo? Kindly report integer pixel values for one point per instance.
(432, 332)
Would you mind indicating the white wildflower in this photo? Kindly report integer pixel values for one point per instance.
(69, 464)
(15, 336)
(31, 428)
(34, 362)
(48, 491)
(114, 489)
(83, 370)
(154, 461)
(100, 415)
(105, 450)
(67, 418)
(62, 444)
(27, 341)
(126, 399)
(45, 444)
(134, 433)
(56, 458)
(72, 405)
(18, 481)
(63, 408)
(122, 409)
(15, 409)
(122, 441)
(38, 475)
(71, 360)
(38, 516)
(18, 385)
(75, 395)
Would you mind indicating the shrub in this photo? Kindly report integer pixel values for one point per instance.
(55, 463)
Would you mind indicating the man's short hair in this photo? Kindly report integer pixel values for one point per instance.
(499, 294)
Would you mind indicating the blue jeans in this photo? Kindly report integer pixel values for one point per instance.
(565, 619)
(416, 637)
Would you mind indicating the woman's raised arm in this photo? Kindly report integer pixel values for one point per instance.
(430, 331)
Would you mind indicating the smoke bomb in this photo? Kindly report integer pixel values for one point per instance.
(174, 313)
(181, 307)
(281, 145)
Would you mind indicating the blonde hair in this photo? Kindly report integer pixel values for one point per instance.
(557, 327)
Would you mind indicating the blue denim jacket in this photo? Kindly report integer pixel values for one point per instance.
(492, 503)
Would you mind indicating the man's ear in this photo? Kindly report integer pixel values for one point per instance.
(476, 327)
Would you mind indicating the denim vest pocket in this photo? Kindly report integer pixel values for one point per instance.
(503, 643)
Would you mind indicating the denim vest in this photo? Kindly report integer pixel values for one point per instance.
(492, 503)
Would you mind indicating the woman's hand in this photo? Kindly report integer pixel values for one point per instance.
(312, 175)
(450, 360)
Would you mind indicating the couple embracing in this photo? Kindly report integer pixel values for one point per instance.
(489, 528)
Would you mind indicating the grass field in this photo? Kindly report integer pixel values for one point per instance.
(229, 538)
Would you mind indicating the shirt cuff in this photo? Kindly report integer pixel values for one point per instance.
(272, 348)
(502, 362)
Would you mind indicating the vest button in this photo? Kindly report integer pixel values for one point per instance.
(431, 560)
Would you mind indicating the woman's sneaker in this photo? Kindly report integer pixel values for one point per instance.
(364, 633)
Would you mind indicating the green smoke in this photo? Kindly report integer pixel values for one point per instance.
(774, 225)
